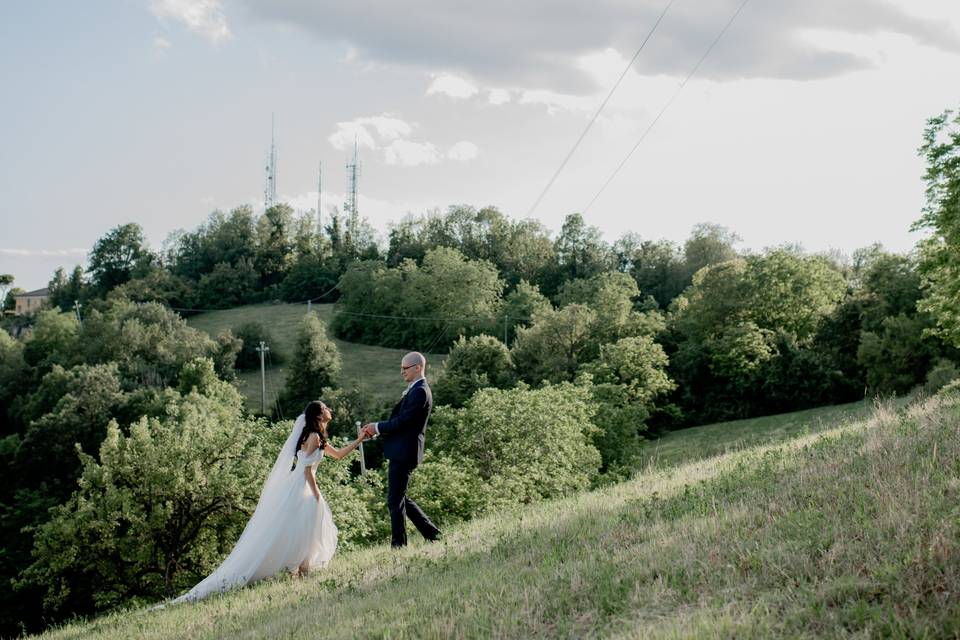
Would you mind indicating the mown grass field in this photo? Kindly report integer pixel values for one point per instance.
(853, 531)
(365, 367)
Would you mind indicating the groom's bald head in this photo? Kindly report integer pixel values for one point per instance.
(413, 366)
(415, 357)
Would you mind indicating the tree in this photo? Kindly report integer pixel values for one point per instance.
(898, 355)
(613, 297)
(708, 244)
(472, 364)
(64, 291)
(274, 244)
(315, 365)
(658, 267)
(419, 306)
(9, 301)
(556, 344)
(156, 510)
(627, 378)
(159, 285)
(309, 278)
(119, 256)
(228, 286)
(580, 252)
(54, 339)
(149, 342)
(70, 407)
(14, 380)
(6, 281)
(521, 305)
(940, 253)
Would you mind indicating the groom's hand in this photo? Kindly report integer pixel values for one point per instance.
(369, 430)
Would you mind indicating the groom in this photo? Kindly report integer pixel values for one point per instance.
(403, 436)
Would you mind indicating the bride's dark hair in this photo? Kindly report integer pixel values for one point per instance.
(313, 423)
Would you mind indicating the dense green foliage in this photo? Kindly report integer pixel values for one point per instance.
(940, 252)
(418, 306)
(473, 364)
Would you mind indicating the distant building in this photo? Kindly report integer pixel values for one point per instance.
(30, 301)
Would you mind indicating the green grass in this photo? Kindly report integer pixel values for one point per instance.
(853, 531)
(695, 443)
(371, 368)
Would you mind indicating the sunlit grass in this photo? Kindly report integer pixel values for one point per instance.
(853, 531)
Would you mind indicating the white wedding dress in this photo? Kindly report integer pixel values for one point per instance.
(290, 528)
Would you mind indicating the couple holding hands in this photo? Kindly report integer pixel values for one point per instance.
(292, 528)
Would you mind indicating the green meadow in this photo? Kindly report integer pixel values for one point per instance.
(842, 522)
(365, 367)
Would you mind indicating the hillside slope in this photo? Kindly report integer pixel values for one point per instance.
(370, 368)
(852, 532)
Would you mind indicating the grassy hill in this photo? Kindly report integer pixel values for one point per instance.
(366, 367)
(853, 531)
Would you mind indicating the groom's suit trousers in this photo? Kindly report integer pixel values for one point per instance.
(402, 507)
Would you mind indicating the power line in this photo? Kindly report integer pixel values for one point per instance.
(597, 114)
(322, 295)
(669, 102)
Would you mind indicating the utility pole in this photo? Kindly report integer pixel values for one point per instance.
(262, 349)
(505, 330)
(363, 463)
(76, 308)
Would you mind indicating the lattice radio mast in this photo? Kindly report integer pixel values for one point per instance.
(353, 173)
(270, 189)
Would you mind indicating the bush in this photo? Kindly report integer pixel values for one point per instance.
(449, 489)
(526, 444)
(941, 375)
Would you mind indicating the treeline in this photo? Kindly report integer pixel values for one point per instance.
(744, 334)
(232, 259)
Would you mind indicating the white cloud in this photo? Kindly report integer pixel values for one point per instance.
(452, 86)
(203, 17)
(463, 151)
(407, 153)
(32, 253)
(498, 96)
(557, 102)
(386, 127)
(349, 132)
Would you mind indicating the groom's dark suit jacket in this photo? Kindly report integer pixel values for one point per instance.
(403, 433)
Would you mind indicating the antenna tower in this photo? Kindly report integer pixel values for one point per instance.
(353, 173)
(270, 190)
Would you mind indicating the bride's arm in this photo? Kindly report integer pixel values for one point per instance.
(339, 454)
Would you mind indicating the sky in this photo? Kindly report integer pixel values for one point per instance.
(801, 126)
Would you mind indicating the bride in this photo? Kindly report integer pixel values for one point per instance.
(292, 528)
